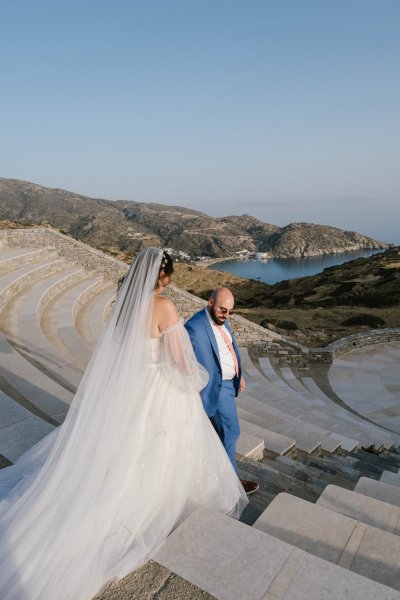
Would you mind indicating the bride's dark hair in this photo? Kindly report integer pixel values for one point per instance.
(167, 266)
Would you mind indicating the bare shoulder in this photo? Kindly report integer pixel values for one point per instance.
(164, 304)
(165, 312)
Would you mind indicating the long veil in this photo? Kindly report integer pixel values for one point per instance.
(50, 493)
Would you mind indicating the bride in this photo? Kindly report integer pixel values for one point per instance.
(135, 455)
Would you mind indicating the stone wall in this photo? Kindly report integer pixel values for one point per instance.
(358, 340)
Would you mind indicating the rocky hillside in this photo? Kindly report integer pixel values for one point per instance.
(305, 239)
(372, 282)
(345, 299)
(128, 226)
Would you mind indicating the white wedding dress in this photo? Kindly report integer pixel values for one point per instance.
(134, 457)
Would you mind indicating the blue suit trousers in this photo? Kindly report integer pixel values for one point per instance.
(225, 420)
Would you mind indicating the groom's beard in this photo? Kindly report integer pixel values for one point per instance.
(214, 317)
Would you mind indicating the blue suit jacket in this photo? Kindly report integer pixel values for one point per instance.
(206, 351)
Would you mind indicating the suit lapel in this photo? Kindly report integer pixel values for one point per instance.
(211, 336)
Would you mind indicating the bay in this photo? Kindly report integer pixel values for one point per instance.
(278, 269)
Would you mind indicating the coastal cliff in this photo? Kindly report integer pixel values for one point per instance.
(127, 226)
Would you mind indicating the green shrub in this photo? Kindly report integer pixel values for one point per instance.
(364, 319)
(289, 325)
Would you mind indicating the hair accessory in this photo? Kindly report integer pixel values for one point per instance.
(164, 261)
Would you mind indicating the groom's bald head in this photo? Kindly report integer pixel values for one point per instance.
(220, 305)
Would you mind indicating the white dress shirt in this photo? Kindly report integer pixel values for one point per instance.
(225, 357)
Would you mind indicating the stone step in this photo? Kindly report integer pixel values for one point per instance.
(273, 442)
(7, 253)
(378, 490)
(335, 464)
(30, 387)
(308, 436)
(18, 280)
(232, 561)
(249, 446)
(342, 540)
(58, 325)
(272, 481)
(17, 258)
(305, 441)
(336, 419)
(370, 429)
(302, 471)
(365, 468)
(20, 323)
(90, 319)
(362, 508)
(296, 384)
(391, 478)
(19, 428)
(370, 384)
(383, 461)
(304, 403)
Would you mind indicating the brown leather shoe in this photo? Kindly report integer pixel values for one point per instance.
(249, 486)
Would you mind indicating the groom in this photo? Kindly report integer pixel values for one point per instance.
(216, 349)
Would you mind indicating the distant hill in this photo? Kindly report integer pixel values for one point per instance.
(128, 226)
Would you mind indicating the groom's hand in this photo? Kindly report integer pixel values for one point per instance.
(242, 384)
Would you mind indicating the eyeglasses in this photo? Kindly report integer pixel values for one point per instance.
(225, 311)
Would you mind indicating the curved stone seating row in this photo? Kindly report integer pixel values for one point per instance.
(84, 315)
(20, 429)
(91, 317)
(12, 258)
(30, 387)
(15, 281)
(371, 433)
(296, 405)
(368, 380)
(57, 322)
(312, 405)
(19, 321)
(308, 438)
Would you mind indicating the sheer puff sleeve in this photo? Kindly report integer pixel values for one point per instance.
(178, 361)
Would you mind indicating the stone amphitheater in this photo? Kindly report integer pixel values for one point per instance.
(320, 432)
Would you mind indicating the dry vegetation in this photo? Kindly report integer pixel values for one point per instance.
(276, 305)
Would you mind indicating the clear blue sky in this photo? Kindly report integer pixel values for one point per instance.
(287, 110)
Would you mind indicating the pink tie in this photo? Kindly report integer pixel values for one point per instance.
(230, 348)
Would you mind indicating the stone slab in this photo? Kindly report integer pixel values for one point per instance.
(347, 542)
(274, 442)
(33, 385)
(19, 429)
(250, 446)
(391, 478)
(362, 508)
(379, 490)
(232, 561)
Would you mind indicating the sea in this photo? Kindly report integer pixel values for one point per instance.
(278, 269)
